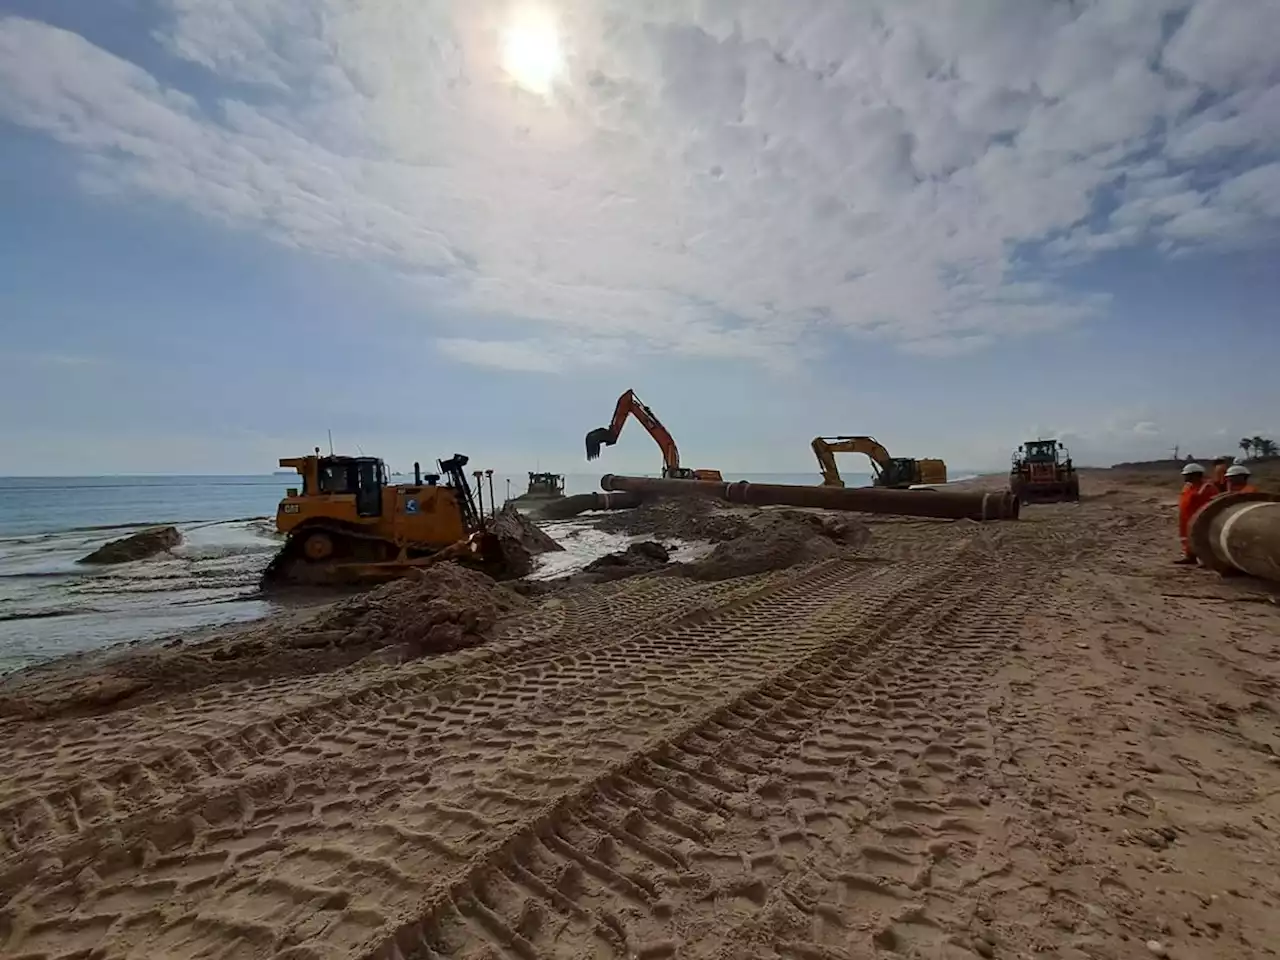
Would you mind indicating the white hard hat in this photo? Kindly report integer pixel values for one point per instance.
(1239, 470)
(1191, 468)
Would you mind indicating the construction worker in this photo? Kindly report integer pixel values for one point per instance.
(1220, 472)
(1196, 492)
(1237, 480)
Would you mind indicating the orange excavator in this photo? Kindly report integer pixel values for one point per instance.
(629, 405)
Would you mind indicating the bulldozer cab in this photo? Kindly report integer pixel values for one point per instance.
(363, 477)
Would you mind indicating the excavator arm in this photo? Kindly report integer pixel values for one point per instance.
(825, 449)
(630, 405)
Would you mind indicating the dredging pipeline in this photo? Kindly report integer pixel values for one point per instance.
(944, 504)
(565, 507)
(1239, 533)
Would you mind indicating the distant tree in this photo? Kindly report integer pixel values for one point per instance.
(1265, 447)
(1246, 444)
(1257, 445)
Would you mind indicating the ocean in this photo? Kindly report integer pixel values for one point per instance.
(51, 606)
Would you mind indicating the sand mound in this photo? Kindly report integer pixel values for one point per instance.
(437, 609)
(644, 557)
(682, 518)
(136, 546)
(440, 608)
(521, 540)
(777, 539)
(639, 558)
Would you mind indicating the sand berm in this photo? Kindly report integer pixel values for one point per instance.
(826, 737)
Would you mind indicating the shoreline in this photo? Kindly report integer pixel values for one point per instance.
(294, 604)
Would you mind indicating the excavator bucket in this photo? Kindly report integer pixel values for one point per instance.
(597, 438)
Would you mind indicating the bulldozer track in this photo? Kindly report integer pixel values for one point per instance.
(44, 807)
(401, 824)
(705, 832)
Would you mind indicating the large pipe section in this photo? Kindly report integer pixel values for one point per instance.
(566, 507)
(1239, 533)
(945, 504)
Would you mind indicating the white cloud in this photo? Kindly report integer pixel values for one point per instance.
(733, 181)
(535, 356)
(524, 355)
(50, 360)
(528, 356)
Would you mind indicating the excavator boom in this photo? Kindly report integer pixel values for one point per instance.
(826, 448)
(629, 405)
(888, 471)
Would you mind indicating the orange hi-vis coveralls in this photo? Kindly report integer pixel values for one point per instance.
(1247, 488)
(1194, 496)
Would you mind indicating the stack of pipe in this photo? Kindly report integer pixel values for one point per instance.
(945, 504)
(1239, 533)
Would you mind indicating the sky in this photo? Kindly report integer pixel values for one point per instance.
(228, 227)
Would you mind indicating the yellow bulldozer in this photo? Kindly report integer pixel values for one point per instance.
(893, 472)
(348, 524)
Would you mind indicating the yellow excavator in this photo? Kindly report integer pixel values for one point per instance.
(629, 405)
(894, 472)
(348, 524)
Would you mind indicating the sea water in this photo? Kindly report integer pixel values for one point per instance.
(50, 605)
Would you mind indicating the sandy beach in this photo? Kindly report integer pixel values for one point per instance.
(903, 738)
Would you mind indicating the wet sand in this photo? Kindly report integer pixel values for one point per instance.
(952, 739)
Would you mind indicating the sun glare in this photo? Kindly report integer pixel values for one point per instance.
(531, 51)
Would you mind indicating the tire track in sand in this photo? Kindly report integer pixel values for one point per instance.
(189, 745)
(831, 800)
(230, 848)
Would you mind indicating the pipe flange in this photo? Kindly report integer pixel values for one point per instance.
(1198, 531)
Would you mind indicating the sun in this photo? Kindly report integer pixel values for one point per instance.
(531, 51)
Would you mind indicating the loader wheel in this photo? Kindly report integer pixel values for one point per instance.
(318, 546)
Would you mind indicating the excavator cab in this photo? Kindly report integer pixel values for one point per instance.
(898, 472)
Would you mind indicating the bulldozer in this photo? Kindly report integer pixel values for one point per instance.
(898, 473)
(629, 405)
(348, 524)
(1042, 472)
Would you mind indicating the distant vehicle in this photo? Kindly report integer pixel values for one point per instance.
(543, 486)
(893, 472)
(629, 405)
(1042, 472)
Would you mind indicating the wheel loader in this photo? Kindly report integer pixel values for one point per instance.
(349, 525)
(1042, 472)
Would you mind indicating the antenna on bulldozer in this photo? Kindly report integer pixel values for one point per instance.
(331, 443)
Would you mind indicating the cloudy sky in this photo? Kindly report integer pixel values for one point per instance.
(227, 226)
